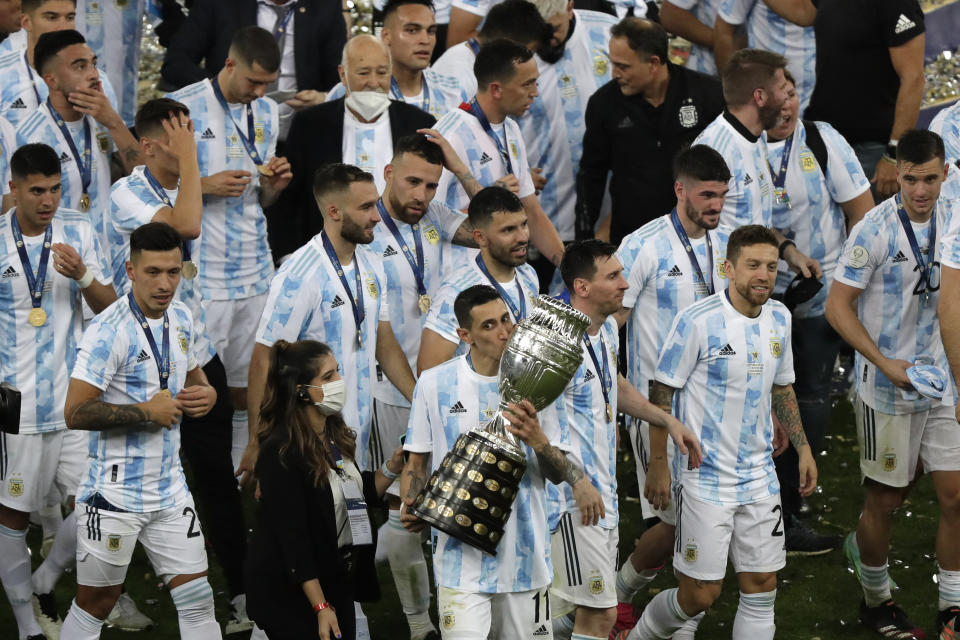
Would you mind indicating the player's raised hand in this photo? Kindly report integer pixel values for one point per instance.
(510, 182)
(67, 261)
(225, 184)
(163, 410)
(94, 103)
(451, 161)
(197, 400)
(656, 487)
(808, 471)
(179, 130)
(522, 421)
(589, 502)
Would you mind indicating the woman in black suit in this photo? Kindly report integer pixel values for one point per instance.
(305, 568)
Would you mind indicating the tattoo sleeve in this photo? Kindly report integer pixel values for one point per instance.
(464, 235)
(417, 479)
(470, 184)
(788, 413)
(96, 415)
(662, 396)
(557, 467)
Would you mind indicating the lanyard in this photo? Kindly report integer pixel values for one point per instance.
(415, 261)
(165, 199)
(162, 360)
(398, 95)
(247, 140)
(925, 266)
(355, 303)
(33, 81)
(337, 459)
(84, 163)
(518, 314)
(685, 241)
(780, 177)
(605, 382)
(35, 283)
(474, 45)
(474, 109)
(280, 27)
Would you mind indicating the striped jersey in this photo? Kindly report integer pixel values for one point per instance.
(16, 41)
(443, 94)
(701, 58)
(233, 256)
(725, 365)
(452, 399)
(554, 127)
(946, 124)
(134, 469)
(814, 219)
(38, 360)
(436, 228)
(877, 259)
(368, 145)
(750, 198)
(133, 202)
(308, 302)
(457, 62)
(8, 144)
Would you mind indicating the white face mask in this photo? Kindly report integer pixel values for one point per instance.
(368, 104)
(334, 397)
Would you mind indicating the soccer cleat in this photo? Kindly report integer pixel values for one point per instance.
(948, 625)
(126, 617)
(238, 616)
(626, 619)
(39, 636)
(45, 611)
(890, 621)
(46, 545)
(802, 540)
(852, 553)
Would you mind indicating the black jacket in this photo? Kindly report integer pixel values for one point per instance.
(319, 34)
(637, 142)
(316, 139)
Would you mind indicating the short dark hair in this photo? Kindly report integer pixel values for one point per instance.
(491, 200)
(497, 61)
(746, 236)
(150, 117)
(29, 6)
(51, 43)
(251, 44)
(154, 236)
(472, 297)
(700, 162)
(336, 177)
(919, 145)
(418, 145)
(391, 6)
(34, 159)
(748, 70)
(580, 260)
(643, 36)
(515, 20)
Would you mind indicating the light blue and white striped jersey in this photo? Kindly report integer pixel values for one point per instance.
(457, 63)
(16, 41)
(814, 219)
(767, 30)
(441, 318)
(701, 58)
(135, 470)
(725, 365)
(946, 124)
(40, 126)
(553, 128)
(8, 144)
(877, 259)
(445, 94)
(750, 198)
(308, 302)
(134, 203)
(368, 145)
(452, 399)
(436, 228)
(37, 360)
(233, 257)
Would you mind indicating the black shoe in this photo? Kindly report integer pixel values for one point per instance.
(802, 540)
(890, 621)
(433, 635)
(45, 611)
(948, 623)
(39, 636)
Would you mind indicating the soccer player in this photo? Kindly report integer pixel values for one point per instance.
(136, 375)
(241, 173)
(884, 304)
(584, 545)
(729, 356)
(500, 230)
(49, 258)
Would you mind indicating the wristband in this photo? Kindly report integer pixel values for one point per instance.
(783, 247)
(320, 606)
(86, 280)
(389, 475)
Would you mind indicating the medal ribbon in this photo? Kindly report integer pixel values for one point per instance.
(358, 309)
(415, 261)
(280, 27)
(606, 384)
(33, 81)
(474, 45)
(85, 162)
(474, 109)
(34, 283)
(162, 360)
(398, 95)
(925, 266)
(247, 140)
(685, 241)
(518, 314)
(165, 199)
(780, 177)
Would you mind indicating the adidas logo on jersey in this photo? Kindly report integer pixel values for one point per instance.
(899, 257)
(337, 302)
(626, 123)
(747, 180)
(10, 273)
(727, 351)
(207, 135)
(458, 408)
(143, 357)
(904, 23)
(65, 157)
(389, 252)
(18, 104)
(673, 273)
(588, 376)
(541, 631)
(484, 159)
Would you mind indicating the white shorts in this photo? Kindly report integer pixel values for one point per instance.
(36, 468)
(891, 445)
(751, 534)
(389, 423)
(524, 615)
(584, 563)
(232, 327)
(639, 431)
(171, 538)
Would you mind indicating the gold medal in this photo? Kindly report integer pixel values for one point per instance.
(359, 338)
(424, 303)
(37, 317)
(264, 170)
(165, 393)
(189, 270)
(85, 203)
(609, 413)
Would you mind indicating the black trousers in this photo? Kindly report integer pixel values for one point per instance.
(206, 446)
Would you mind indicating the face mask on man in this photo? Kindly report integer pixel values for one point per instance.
(368, 104)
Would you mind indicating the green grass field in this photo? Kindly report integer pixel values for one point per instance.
(817, 597)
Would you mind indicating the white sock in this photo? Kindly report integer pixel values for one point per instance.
(50, 518)
(563, 626)
(661, 618)
(15, 576)
(583, 636)
(689, 629)
(241, 435)
(62, 554)
(630, 581)
(754, 619)
(876, 584)
(409, 569)
(194, 603)
(949, 586)
(80, 625)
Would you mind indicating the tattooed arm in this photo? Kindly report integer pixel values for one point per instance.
(413, 479)
(85, 411)
(656, 487)
(787, 411)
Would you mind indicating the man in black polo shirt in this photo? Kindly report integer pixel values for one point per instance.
(635, 125)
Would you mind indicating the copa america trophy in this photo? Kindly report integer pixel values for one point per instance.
(470, 495)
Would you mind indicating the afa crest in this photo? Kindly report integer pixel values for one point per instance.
(808, 162)
(113, 543)
(182, 340)
(448, 620)
(103, 142)
(596, 585)
(690, 553)
(431, 234)
(15, 487)
(372, 287)
(776, 347)
(721, 269)
(889, 461)
(600, 63)
(259, 133)
(688, 116)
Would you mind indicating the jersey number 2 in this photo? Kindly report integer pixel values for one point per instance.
(777, 528)
(191, 531)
